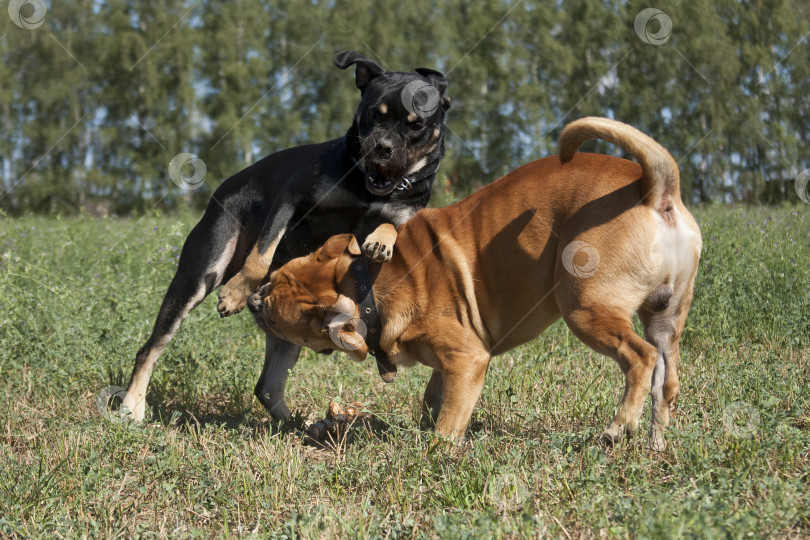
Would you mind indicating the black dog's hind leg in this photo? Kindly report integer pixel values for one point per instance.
(206, 259)
(279, 358)
(234, 295)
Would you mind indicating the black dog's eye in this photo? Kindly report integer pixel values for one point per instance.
(417, 126)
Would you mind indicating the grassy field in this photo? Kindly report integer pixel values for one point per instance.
(79, 298)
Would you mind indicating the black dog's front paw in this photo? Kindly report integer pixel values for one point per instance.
(379, 245)
(377, 252)
(233, 296)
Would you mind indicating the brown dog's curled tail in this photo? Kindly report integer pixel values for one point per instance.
(660, 172)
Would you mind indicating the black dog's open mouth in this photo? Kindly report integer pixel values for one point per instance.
(379, 184)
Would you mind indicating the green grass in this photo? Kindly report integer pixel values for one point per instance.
(79, 298)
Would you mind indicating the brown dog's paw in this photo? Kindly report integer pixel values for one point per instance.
(233, 296)
(657, 442)
(613, 434)
(379, 245)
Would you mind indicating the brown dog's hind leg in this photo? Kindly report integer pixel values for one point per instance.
(663, 329)
(610, 332)
(659, 329)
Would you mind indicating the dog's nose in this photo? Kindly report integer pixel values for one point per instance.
(384, 149)
(255, 302)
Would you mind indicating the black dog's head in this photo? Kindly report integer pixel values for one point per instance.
(399, 125)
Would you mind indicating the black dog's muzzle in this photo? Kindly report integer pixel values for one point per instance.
(381, 185)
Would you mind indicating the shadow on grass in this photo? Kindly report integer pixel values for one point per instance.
(188, 411)
(358, 432)
(172, 409)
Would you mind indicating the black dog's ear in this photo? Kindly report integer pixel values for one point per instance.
(366, 69)
(438, 80)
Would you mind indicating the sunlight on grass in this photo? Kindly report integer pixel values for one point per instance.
(79, 299)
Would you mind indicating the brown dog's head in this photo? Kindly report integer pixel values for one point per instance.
(310, 301)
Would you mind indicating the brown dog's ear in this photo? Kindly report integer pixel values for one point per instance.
(337, 246)
(347, 331)
(353, 248)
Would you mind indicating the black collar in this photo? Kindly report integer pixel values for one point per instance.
(430, 169)
(359, 270)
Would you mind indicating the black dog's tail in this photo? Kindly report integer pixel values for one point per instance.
(660, 172)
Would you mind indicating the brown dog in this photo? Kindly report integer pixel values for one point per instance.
(588, 237)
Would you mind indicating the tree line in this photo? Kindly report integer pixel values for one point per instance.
(98, 97)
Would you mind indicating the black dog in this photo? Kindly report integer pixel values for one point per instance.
(368, 182)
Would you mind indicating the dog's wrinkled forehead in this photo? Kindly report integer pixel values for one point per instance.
(289, 299)
(417, 95)
(402, 95)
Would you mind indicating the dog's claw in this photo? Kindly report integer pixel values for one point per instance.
(377, 252)
(613, 434)
(232, 299)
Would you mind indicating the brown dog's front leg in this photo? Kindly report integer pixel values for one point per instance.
(432, 402)
(463, 380)
(379, 245)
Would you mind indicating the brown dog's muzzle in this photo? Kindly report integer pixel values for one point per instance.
(255, 303)
(256, 300)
